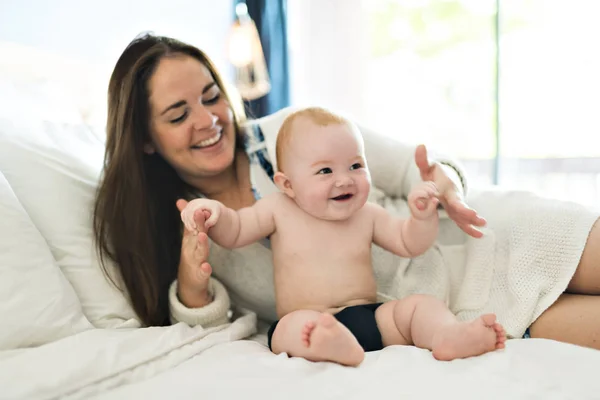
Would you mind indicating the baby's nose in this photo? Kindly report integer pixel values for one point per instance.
(344, 181)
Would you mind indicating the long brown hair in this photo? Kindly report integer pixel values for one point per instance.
(136, 222)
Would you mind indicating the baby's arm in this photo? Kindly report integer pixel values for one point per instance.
(413, 236)
(230, 228)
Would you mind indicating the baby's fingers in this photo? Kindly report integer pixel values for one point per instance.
(188, 222)
(433, 203)
(421, 203)
(212, 220)
(431, 189)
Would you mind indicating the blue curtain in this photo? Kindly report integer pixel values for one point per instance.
(270, 17)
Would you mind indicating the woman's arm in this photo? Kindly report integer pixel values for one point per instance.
(393, 167)
(212, 314)
(195, 298)
(396, 168)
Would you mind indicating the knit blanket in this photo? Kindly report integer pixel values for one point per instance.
(529, 252)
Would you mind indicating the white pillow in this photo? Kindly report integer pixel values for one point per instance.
(53, 169)
(37, 303)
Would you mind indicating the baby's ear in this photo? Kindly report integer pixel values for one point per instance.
(284, 184)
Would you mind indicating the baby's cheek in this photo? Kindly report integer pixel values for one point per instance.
(365, 185)
(314, 199)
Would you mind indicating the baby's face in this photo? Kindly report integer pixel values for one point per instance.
(327, 170)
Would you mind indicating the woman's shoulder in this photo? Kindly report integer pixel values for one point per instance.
(270, 124)
(262, 133)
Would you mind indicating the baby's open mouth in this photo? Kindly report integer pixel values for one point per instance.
(342, 197)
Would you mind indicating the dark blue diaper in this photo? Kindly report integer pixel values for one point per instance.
(360, 320)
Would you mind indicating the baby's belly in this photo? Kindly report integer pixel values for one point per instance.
(323, 288)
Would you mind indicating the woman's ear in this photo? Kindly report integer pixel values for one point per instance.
(284, 184)
(149, 148)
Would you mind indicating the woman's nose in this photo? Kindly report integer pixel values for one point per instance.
(204, 119)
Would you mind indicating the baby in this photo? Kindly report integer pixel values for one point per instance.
(321, 230)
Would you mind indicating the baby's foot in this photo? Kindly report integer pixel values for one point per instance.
(466, 339)
(329, 340)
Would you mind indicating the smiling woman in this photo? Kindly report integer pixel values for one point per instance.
(171, 131)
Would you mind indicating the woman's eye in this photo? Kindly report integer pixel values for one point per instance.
(356, 166)
(180, 119)
(213, 100)
(324, 171)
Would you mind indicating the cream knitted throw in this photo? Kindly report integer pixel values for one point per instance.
(526, 259)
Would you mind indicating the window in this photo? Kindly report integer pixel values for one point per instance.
(512, 97)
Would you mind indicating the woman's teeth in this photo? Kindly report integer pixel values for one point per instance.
(209, 142)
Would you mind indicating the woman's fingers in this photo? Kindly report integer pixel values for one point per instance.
(465, 217)
(194, 271)
(181, 204)
(201, 269)
(469, 223)
(422, 162)
(204, 272)
(471, 230)
(201, 250)
(465, 214)
(200, 220)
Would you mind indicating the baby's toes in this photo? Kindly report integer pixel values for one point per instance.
(499, 330)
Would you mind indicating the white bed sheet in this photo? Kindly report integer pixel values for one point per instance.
(526, 369)
(190, 363)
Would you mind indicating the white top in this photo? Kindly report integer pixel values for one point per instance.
(525, 260)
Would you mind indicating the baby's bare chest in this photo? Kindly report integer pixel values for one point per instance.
(303, 235)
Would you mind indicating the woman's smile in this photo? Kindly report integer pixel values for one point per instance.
(211, 141)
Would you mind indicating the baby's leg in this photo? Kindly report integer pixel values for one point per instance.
(316, 336)
(426, 322)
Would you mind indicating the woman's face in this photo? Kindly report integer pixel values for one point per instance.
(191, 121)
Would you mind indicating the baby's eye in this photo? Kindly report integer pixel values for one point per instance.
(356, 166)
(324, 171)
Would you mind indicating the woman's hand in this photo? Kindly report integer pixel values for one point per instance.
(451, 196)
(194, 271)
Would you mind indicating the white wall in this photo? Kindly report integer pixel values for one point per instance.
(98, 31)
(68, 48)
(328, 43)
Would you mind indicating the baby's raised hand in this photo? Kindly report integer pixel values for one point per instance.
(211, 209)
(423, 200)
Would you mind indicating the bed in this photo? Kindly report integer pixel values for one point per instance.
(179, 362)
(68, 333)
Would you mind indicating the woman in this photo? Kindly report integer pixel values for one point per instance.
(174, 133)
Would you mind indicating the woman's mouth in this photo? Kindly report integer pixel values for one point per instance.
(343, 197)
(211, 141)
